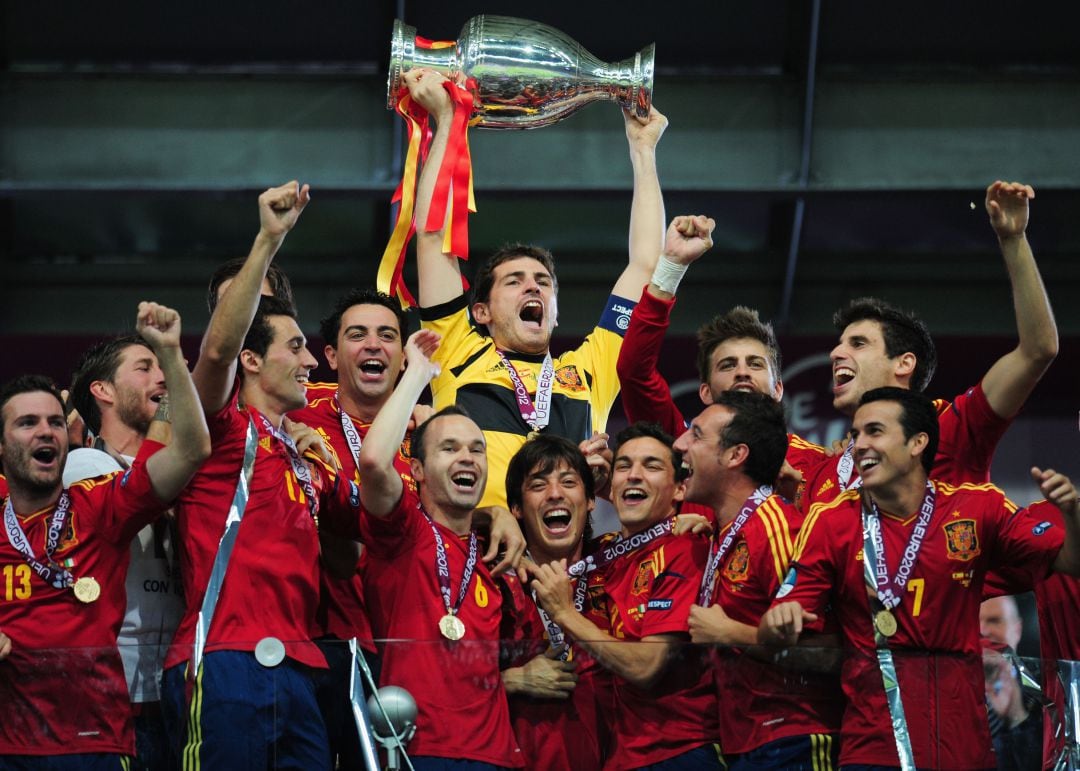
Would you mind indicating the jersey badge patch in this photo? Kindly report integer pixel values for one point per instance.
(737, 568)
(962, 540)
(569, 378)
(645, 573)
(1041, 528)
(788, 585)
(661, 604)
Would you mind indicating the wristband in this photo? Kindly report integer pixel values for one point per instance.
(668, 274)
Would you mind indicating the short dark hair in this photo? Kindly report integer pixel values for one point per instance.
(261, 334)
(902, 331)
(738, 322)
(917, 416)
(758, 423)
(279, 282)
(24, 384)
(330, 326)
(485, 276)
(540, 456)
(416, 442)
(99, 362)
(653, 430)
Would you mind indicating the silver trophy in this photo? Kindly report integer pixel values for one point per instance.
(525, 74)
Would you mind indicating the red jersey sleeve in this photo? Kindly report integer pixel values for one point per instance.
(970, 432)
(645, 393)
(675, 585)
(124, 502)
(397, 531)
(813, 572)
(1027, 545)
(339, 501)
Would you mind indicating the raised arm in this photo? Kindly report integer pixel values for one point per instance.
(1061, 492)
(645, 393)
(1012, 378)
(380, 483)
(279, 209)
(439, 274)
(647, 216)
(173, 466)
(640, 662)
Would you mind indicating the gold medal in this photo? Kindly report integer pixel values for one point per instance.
(885, 623)
(532, 435)
(451, 627)
(87, 589)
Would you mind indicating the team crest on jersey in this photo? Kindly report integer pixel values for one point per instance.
(646, 572)
(598, 599)
(738, 567)
(962, 540)
(569, 378)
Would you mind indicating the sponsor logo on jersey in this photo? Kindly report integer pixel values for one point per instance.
(859, 555)
(569, 378)
(963, 577)
(962, 540)
(1041, 528)
(661, 604)
(824, 488)
(788, 585)
(264, 443)
(737, 568)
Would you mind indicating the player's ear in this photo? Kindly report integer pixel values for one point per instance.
(481, 313)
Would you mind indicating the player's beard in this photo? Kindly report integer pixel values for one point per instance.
(131, 409)
(16, 467)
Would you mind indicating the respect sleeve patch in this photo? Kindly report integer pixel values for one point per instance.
(616, 315)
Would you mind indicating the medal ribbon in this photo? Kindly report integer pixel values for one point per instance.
(845, 467)
(619, 547)
(889, 680)
(352, 436)
(299, 467)
(536, 414)
(455, 175)
(442, 568)
(556, 636)
(890, 590)
(716, 557)
(54, 575)
(225, 547)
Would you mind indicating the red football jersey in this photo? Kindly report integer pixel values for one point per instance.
(63, 687)
(341, 610)
(556, 733)
(650, 591)
(970, 432)
(647, 396)
(760, 703)
(936, 646)
(3, 487)
(461, 705)
(271, 586)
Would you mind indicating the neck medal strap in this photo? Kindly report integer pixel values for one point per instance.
(536, 414)
(450, 625)
(352, 436)
(54, 575)
(718, 552)
(845, 469)
(299, 465)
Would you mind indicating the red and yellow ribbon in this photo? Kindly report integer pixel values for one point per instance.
(453, 192)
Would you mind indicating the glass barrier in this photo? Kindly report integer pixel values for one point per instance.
(515, 703)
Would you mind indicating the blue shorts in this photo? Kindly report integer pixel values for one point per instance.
(811, 752)
(430, 763)
(243, 716)
(703, 758)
